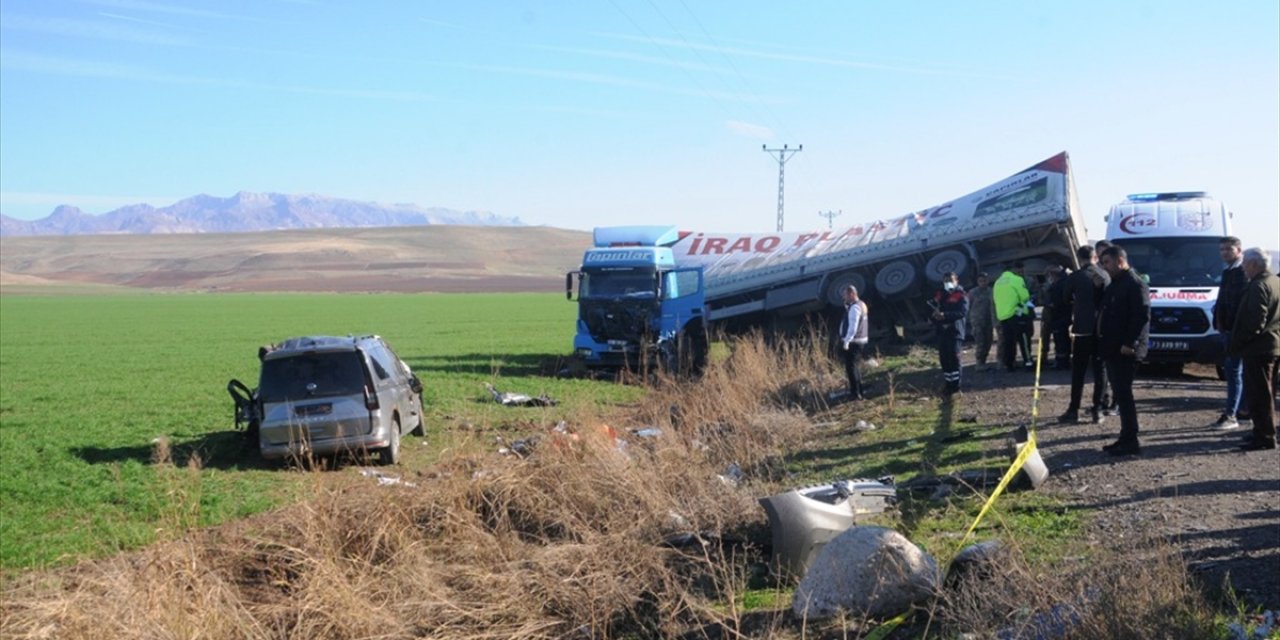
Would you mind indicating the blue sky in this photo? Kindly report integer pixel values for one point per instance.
(576, 114)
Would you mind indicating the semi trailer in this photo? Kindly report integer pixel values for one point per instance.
(653, 291)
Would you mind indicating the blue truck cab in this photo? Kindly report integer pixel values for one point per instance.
(636, 307)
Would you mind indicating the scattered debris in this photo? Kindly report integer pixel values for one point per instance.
(805, 519)
(863, 425)
(732, 475)
(510, 399)
(521, 448)
(385, 479)
(1259, 627)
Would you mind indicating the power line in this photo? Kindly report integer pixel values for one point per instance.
(738, 72)
(784, 154)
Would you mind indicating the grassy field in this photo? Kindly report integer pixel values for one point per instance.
(484, 542)
(88, 382)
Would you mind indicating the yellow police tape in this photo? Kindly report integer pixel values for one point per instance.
(1027, 449)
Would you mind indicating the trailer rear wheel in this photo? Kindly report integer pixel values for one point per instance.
(896, 278)
(944, 261)
(835, 288)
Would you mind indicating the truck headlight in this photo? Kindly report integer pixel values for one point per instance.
(582, 352)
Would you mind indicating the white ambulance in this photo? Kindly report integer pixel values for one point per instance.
(1172, 240)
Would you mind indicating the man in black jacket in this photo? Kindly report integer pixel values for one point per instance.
(1255, 339)
(1083, 291)
(950, 306)
(1123, 324)
(1230, 291)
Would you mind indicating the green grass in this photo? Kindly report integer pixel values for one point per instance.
(87, 382)
(924, 436)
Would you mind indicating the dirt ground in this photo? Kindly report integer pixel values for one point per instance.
(1191, 484)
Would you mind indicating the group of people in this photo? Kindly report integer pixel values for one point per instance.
(1098, 320)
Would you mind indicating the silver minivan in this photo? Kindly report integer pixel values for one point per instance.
(321, 395)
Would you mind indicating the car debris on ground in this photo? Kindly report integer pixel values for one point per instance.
(511, 399)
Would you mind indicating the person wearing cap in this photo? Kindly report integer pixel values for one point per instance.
(982, 318)
(1255, 339)
(950, 307)
(853, 337)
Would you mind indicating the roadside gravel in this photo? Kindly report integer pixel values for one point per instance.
(1191, 484)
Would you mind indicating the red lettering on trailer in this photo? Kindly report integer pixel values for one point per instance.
(767, 244)
(714, 245)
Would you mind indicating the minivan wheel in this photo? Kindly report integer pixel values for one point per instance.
(390, 454)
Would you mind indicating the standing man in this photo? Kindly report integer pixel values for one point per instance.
(1055, 322)
(950, 307)
(1083, 292)
(982, 317)
(1255, 339)
(1012, 299)
(853, 336)
(1230, 292)
(1123, 325)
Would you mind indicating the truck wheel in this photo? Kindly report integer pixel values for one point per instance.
(944, 261)
(896, 278)
(693, 351)
(835, 289)
(390, 454)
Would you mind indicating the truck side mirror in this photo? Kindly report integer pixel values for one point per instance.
(568, 286)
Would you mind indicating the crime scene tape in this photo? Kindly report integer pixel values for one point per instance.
(1027, 449)
(881, 632)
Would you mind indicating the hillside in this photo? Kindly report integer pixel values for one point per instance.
(444, 258)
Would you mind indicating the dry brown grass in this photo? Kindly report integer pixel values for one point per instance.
(568, 542)
(1139, 591)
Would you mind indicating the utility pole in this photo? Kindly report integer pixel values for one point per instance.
(784, 154)
(829, 215)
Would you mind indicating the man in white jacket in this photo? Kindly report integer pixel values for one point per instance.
(853, 336)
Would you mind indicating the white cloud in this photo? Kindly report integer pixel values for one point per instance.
(748, 130)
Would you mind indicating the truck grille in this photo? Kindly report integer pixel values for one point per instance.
(616, 320)
(1178, 321)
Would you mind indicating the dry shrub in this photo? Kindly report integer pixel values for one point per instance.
(572, 541)
(1140, 592)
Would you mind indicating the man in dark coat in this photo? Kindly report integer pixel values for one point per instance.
(1056, 318)
(1083, 291)
(950, 306)
(1255, 339)
(1230, 292)
(1124, 321)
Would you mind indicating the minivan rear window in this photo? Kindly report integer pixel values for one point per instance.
(311, 375)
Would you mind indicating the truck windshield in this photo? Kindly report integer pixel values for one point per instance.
(629, 282)
(1176, 262)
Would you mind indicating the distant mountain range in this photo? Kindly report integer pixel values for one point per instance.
(245, 211)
